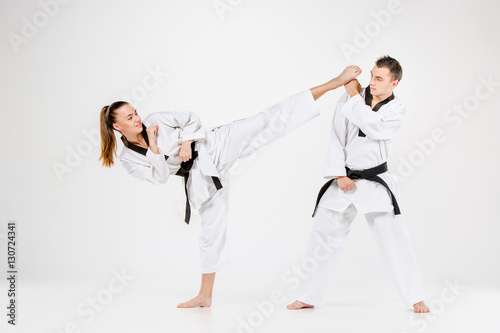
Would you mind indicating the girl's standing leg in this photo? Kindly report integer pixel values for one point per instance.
(204, 297)
(213, 243)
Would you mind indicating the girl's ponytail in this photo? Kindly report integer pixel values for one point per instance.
(108, 139)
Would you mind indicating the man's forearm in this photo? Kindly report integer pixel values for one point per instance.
(353, 88)
(352, 92)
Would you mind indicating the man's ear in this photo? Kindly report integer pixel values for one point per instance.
(394, 84)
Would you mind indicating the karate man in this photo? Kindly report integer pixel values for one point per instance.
(364, 124)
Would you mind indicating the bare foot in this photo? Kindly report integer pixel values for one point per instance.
(199, 300)
(349, 73)
(298, 305)
(420, 307)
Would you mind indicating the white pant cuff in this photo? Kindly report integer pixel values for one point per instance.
(414, 300)
(216, 268)
(307, 300)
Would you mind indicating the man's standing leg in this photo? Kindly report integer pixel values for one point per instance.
(328, 233)
(390, 233)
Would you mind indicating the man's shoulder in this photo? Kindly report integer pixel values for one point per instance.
(398, 100)
(395, 107)
(397, 103)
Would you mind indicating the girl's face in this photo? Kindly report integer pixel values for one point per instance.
(127, 120)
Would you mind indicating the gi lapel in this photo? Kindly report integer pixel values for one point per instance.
(140, 150)
(368, 101)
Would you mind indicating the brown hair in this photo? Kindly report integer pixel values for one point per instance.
(108, 139)
(393, 66)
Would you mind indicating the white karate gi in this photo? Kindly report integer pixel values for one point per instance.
(337, 209)
(218, 148)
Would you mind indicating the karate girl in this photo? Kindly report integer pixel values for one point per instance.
(176, 143)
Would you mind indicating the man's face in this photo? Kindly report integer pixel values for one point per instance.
(381, 82)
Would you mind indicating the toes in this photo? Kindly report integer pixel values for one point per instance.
(419, 310)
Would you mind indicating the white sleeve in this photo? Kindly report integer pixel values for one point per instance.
(156, 173)
(335, 157)
(381, 125)
(189, 123)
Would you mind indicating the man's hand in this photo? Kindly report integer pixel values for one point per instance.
(185, 151)
(345, 183)
(352, 87)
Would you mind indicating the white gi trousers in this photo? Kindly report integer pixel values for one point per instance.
(230, 142)
(326, 241)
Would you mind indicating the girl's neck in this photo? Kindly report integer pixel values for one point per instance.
(136, 139)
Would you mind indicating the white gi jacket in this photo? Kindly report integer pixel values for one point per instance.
(173, 129)
(347, 147)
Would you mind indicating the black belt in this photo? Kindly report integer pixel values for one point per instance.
(184, 172)
(369, 174)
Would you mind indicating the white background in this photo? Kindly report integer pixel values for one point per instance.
(77, 227)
